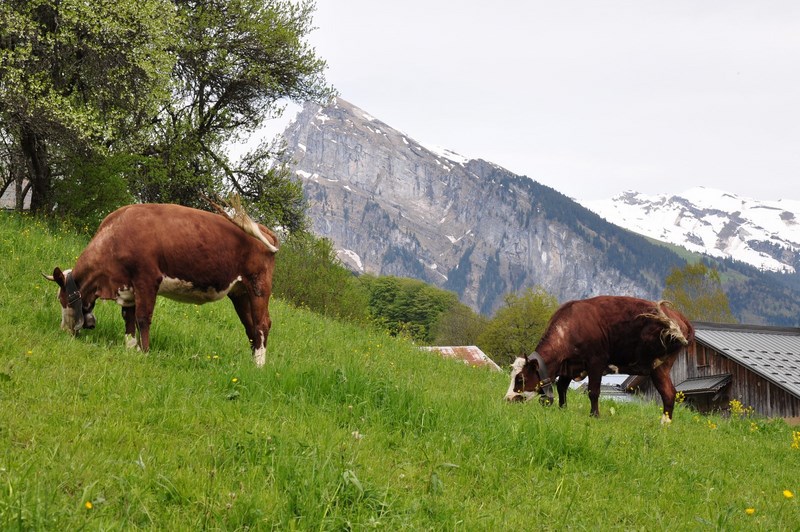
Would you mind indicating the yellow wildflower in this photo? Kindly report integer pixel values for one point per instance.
(88, 505)
(788, 494)
(750, 511)
(234, 380)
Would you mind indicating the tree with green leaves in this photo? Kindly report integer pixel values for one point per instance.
(163, 86)
(518, 325)
(311, 276)
(78, 78)
(696, 290)
(406, 306)
(459, 325)
(236, 60)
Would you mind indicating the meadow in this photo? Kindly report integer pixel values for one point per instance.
(345, 428)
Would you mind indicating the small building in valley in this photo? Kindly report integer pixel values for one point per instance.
(756, 365)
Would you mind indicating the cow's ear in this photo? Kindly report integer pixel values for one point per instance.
(58, 277)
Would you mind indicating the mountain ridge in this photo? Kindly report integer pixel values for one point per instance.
(392, 206)
(764, 234)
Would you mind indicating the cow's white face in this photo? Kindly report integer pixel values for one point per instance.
(519, 377)
(71, 321)
(73, 316)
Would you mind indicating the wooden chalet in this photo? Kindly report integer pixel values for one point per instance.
(756, 365)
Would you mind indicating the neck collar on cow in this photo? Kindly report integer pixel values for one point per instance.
(74, 298)
(545, 382)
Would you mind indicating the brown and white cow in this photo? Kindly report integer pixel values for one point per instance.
(189, 255)
(589, 336)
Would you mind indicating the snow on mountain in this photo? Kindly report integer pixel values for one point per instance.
(765, 234)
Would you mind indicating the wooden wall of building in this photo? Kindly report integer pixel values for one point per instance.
(751, 390)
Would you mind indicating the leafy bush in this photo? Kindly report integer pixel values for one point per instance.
(406, 306)
(459, 325)
(92, 189)
(517, 326)
(308, 274)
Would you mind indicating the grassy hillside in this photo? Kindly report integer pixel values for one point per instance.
(344, 428)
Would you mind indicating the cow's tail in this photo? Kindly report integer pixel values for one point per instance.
(235, 213)
(672, 329)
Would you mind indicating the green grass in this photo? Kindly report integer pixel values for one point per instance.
(344, 428)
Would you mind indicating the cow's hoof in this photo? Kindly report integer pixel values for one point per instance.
(130, 341)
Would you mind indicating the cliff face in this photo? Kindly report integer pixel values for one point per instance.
(394, 207)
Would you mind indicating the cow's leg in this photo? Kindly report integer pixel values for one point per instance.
(561, 386)
(663, 383)
(259, 311)
(253, 312)
(241, 302)
(129, 315)
(145, 302)
(595, 378)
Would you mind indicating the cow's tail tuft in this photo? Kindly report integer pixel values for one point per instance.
(236, 213)
(672, 329)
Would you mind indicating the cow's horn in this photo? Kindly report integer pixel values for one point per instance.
(48, 277)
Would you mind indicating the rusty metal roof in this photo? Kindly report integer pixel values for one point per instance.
(469, 354)
(771, 352)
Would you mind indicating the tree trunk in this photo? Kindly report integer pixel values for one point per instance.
(34, 149)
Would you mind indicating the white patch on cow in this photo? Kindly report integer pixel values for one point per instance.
(260, 353)
(125, 297)
(130, 341)
(561, 332)
(613, 368)
(516, 369)
(675, 332)
(186, 292)
(665, 419)
(70, 321)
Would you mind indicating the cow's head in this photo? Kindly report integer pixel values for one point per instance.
(73, 315)
(529, 376)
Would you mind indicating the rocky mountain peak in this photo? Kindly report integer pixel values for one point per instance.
(395, 207)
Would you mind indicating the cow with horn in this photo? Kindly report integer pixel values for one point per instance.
(189, 255)
(598, 335)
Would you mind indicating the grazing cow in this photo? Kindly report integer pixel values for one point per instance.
(594, 336)
(185, 254)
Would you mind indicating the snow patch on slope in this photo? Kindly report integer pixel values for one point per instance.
(712, 221)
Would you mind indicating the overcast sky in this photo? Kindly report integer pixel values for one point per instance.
(590, 97)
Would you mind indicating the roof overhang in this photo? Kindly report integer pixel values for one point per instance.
(704, 385)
